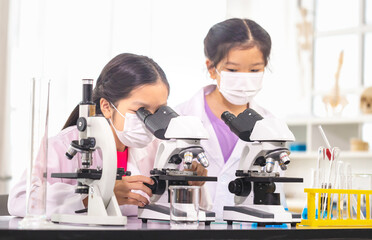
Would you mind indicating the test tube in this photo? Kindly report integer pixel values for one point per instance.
(37, 167)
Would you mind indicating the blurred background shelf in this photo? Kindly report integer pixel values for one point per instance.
(344, 155)
(339, 131)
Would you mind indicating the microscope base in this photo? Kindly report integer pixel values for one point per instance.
(91, 220)
(158, 211)
(98, 214)
(270, 214)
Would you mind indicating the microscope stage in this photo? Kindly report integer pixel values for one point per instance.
(90, 174)
(273, 179)
(187, 178)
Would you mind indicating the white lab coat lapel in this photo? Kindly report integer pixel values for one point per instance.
(136, 164)
(234, 157)
(212, 143)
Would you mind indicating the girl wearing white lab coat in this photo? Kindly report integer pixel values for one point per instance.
(127, 83)
(237, 52)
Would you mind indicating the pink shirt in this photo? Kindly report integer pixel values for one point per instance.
(123, 159)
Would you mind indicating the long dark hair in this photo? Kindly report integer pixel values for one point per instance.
(235, 32)
(119, 77)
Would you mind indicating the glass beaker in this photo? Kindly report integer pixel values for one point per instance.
(184, 206)
(38, 149)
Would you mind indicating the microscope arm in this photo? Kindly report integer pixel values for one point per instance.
(101, 131)
(246, 162)
(94, 133)
(165, 150)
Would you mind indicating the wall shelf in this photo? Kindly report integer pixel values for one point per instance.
(339, 131)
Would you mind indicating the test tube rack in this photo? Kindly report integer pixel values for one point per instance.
(343, 208)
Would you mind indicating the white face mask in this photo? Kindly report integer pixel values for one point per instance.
(239, 88)
(134, 133)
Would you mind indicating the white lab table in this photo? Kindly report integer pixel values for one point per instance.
(135, 229)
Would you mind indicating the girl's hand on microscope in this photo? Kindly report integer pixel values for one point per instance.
(200, 171)
(123, 190)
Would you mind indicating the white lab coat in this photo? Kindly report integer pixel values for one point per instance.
(61, 196)
(217, 167)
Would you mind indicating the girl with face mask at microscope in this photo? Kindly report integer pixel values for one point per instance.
(127, 83)
(237, 52)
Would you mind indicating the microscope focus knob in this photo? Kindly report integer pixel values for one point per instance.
(158, 187)
(175, 159)
(240, 187)
(81, 124)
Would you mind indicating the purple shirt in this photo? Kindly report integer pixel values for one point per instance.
(226, 138)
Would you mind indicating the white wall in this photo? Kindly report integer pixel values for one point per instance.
(172, 33)
(68, 40)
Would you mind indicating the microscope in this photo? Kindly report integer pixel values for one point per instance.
(94, 134)
(180, 144)
(254, 188)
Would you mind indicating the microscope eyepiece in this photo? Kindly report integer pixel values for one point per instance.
(243, 124)
(227, 117)
(87, 91)
(143, 113)
(157, 123)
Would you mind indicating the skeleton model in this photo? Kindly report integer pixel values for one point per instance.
(366, 101)
(334, 101)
